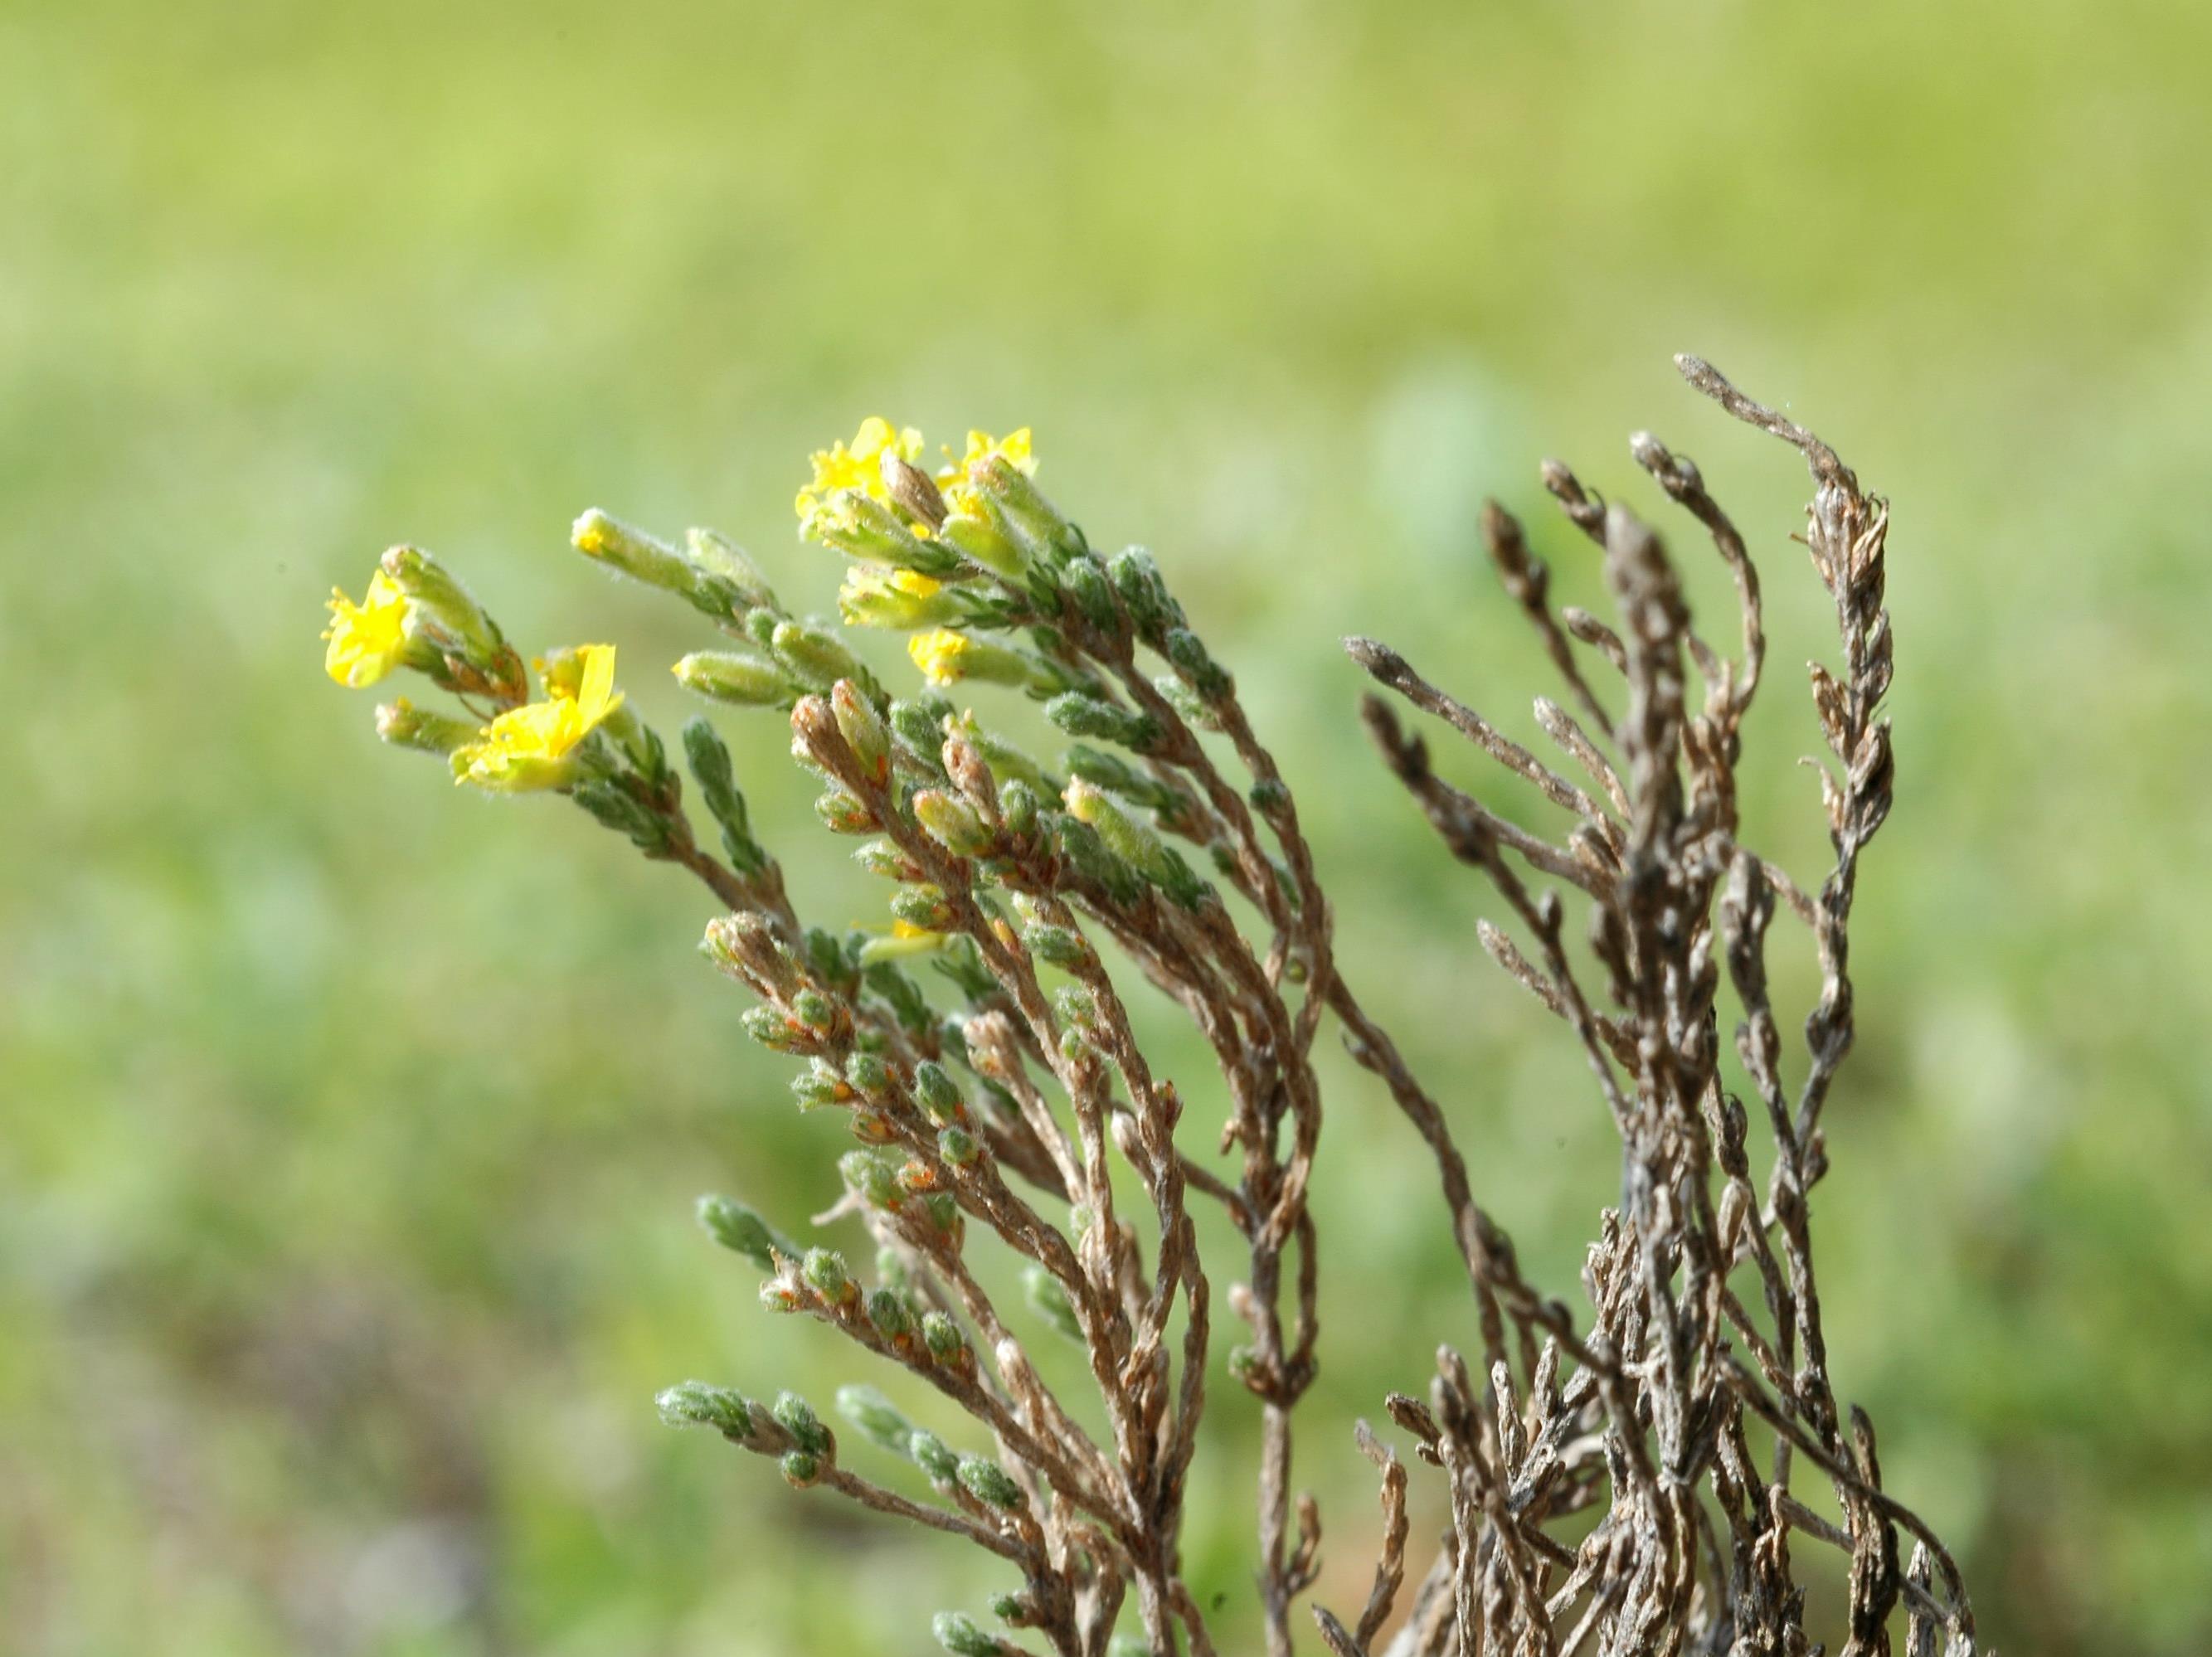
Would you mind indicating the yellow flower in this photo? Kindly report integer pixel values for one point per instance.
(938, 655)
(366, 638)
(527, 748)
(858, 467)
(952, 476)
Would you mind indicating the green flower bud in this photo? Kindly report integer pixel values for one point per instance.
(814, 1010)
(1136, 844)
(934, 1456)
(919, 722)
(1036, 523)
(861, 527)
(796, 1416)
(942, 1338)
(403, 724)
(1080, 844)
(779, 1297)
(1269, 796)
(814, 656)
(1056, 946)
(770, 1028)
(743, 1231)
(952, 824)
(980, 532)
(719, 555)
(1077, 1006)
(872, 1177)
(696, 1404)
(1082, 714)
(819, 1087)
(632, 552)
(1205, 676)
(958, 1146)
(987, 1481)
(843, 815)
(876, 1417)
(869, 1074)
(1186, 703)
(825, 1274)
(863, 728)
(959, 1635)
(1049, 1299)
(800, 1469)
(944, 1212)
(1144, 593)
(728, 675)
(889, 1313)
(1012, 1609)
(922, 906)
(760, 627)
(1087, 584)
(939, 1093)
(1018, 806)
(880, 857)
(442, 611)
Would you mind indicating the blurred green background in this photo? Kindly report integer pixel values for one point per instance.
(349, 1126)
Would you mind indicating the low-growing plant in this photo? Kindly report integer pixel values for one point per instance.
(1622, 1477)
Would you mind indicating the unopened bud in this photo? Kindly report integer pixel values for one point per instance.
(987, 1481)
(696, 1404)
(743, 1231)
(952, 824)
(727, 676)
(863, 728)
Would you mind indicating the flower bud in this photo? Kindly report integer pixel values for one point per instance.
(443, 611)
(942, 1338)
(959, 1635)
(1082, 714)
(842, 814)
(607, 540)
(1035, 522)
(900, 598)
(719, 555)
(814, 656)
(958, 1146)
(934, 1456)
(952, 824)
(939, 1093)
(889, 1313)
(825, 1273)
(814, 1010)
(729, 675)
(870, 1177)
(818, 1088)
(405, 725)
(743, 1231)
(796, 1416)
(987, 1481)
(923, 907)
(868, 1073)
(1018, 806)
(863, 728)
(800, 1469)
(696, 1404)
(1049, 1299)
(877, 1417)
(770, 1028)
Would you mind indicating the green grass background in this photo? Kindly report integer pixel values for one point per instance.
(349, 1126)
